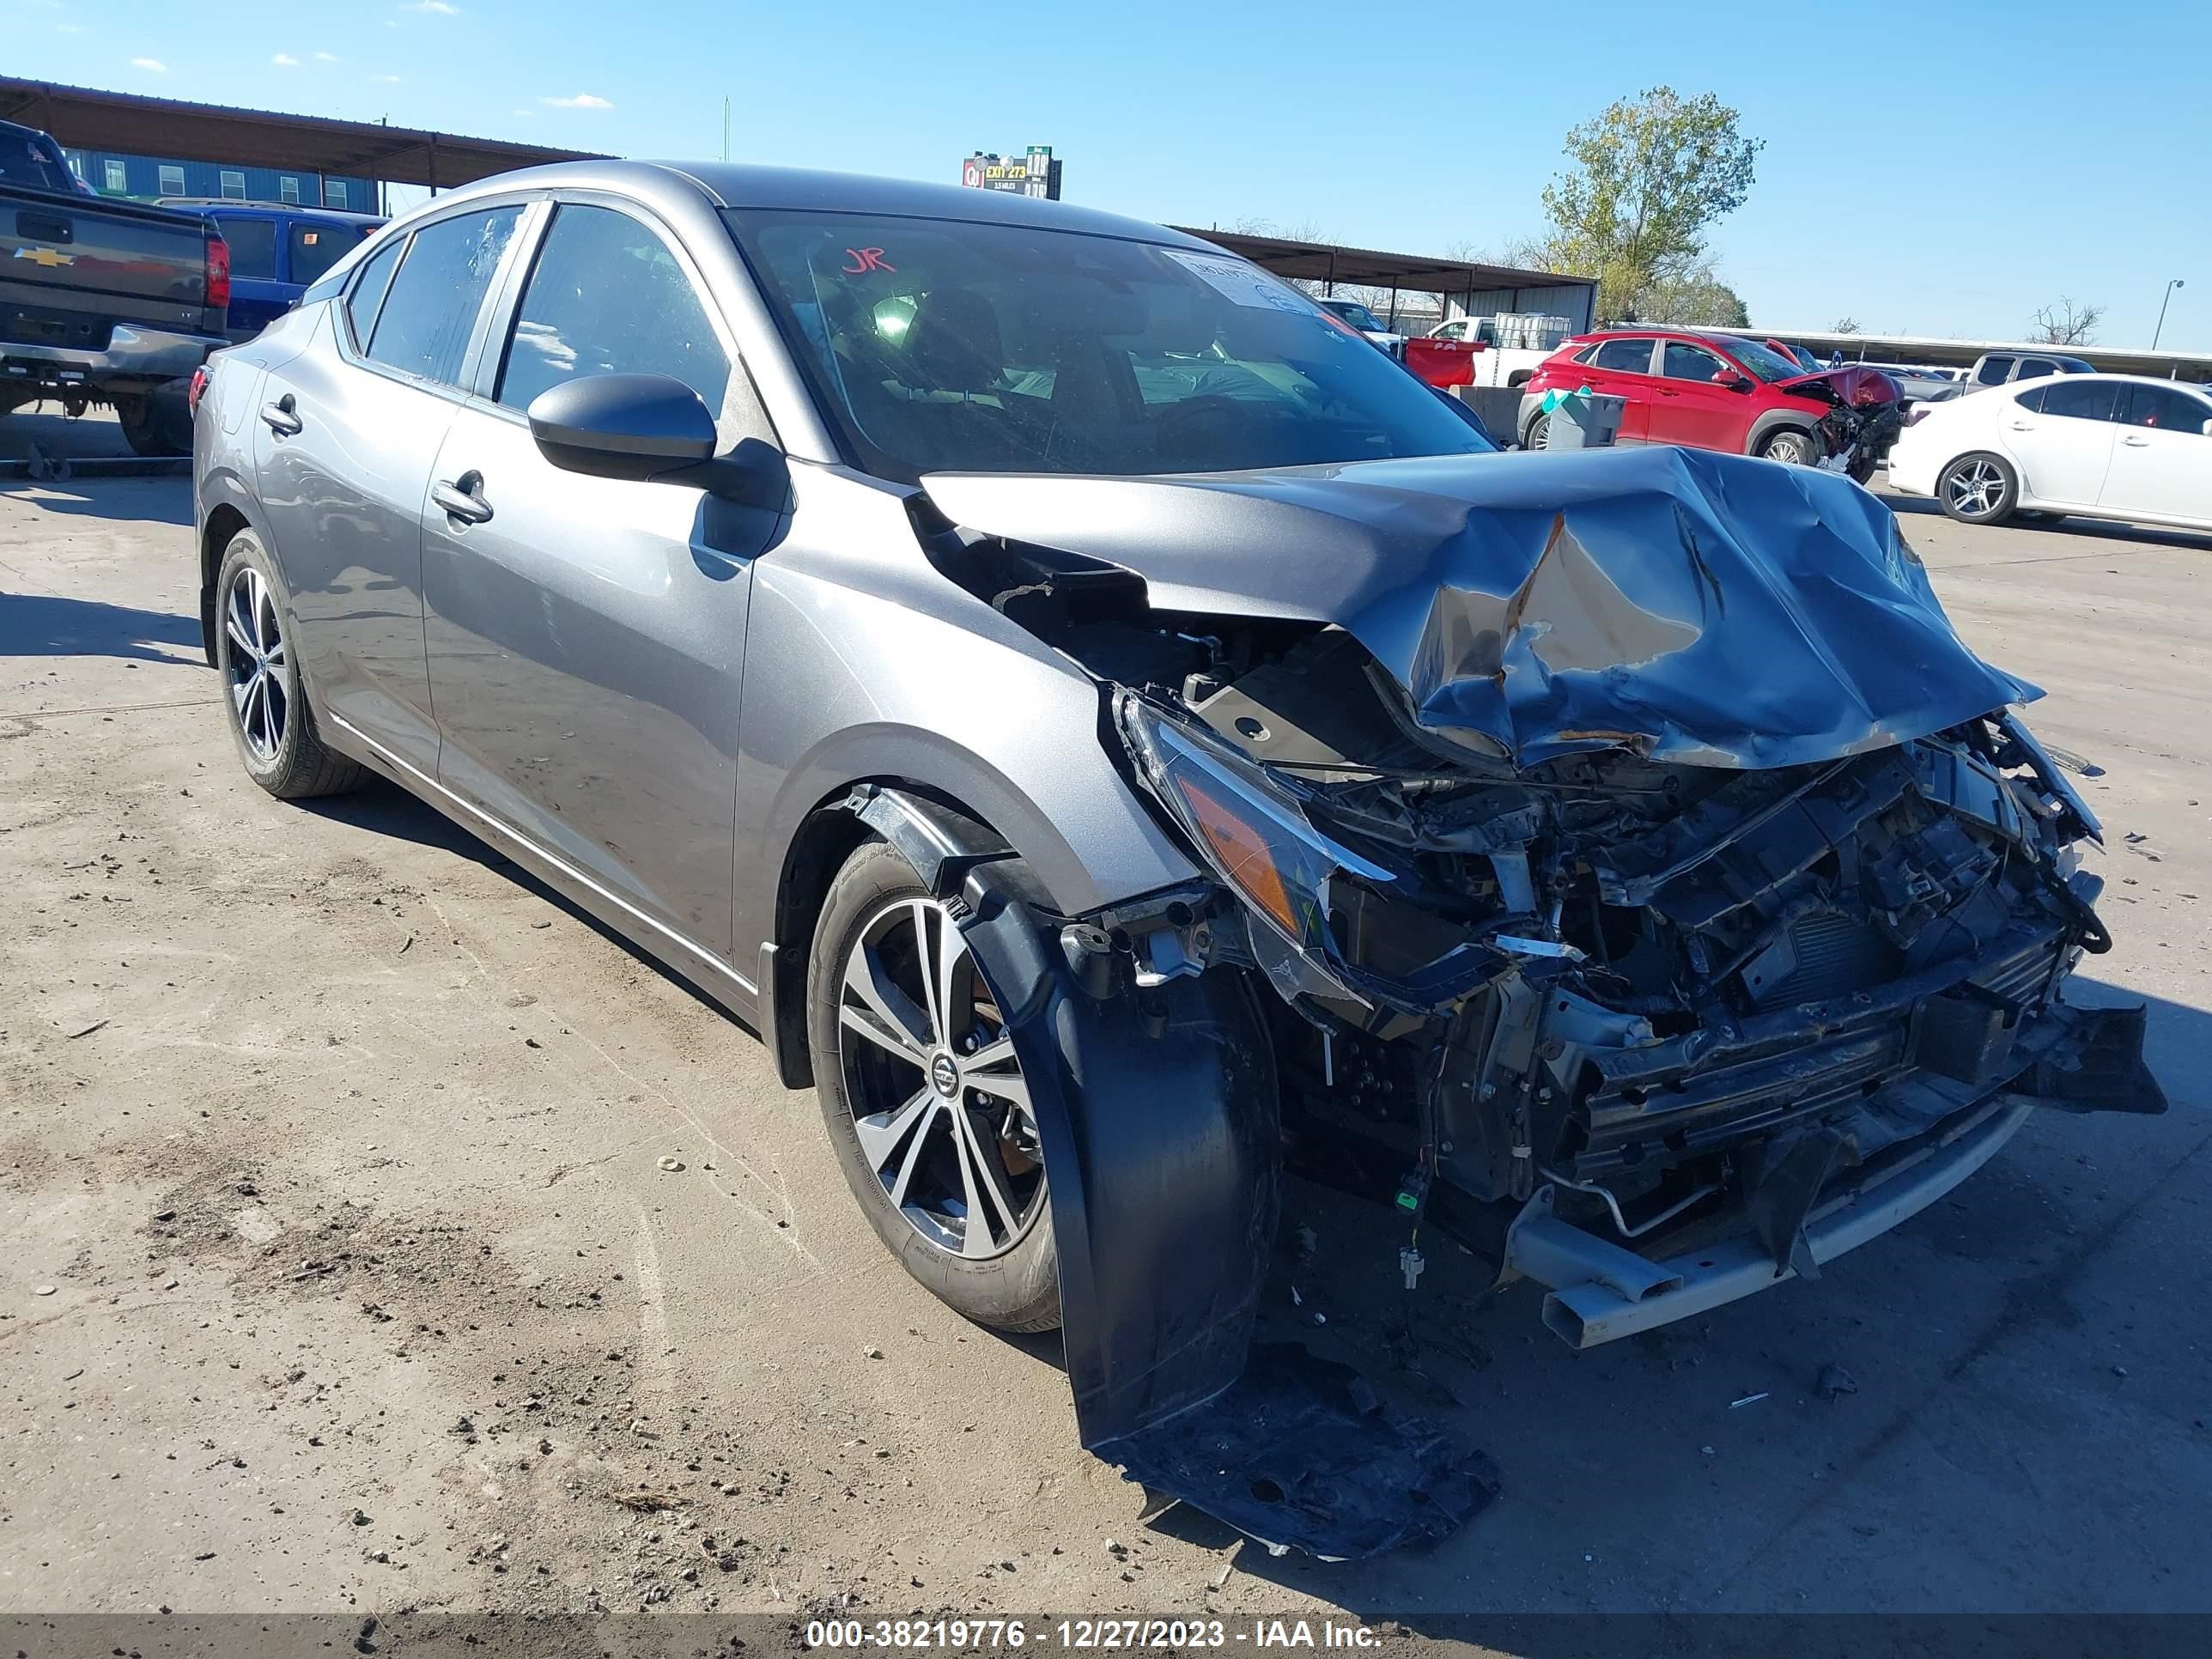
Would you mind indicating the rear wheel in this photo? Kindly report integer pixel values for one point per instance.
(267, 702)
(1791, 445)
(1539, 430)
(155, 426)
(1977, 489)
(925, 1103)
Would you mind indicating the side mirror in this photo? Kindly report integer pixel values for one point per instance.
(652, 427)
(622, 426)
(1732, 380)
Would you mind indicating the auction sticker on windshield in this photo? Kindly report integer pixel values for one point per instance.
(1238, 282)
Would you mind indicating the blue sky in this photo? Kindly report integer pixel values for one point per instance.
(1943, 167)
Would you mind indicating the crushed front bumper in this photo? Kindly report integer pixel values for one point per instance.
(2089, 1060)
(1601, 1292)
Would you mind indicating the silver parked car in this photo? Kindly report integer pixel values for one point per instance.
(1116, 736)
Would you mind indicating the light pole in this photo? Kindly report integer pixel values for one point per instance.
(2162, 298)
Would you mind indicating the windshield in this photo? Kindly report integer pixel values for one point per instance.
(1766, 365)
(944, 346)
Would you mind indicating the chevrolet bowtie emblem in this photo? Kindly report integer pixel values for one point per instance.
(48, 257)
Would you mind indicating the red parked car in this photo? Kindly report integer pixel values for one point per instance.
(1707, 390)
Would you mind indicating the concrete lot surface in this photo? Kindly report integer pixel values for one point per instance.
(339, 1272)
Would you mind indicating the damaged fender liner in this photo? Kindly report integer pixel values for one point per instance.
(1158, 1116)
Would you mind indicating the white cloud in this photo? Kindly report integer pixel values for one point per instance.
(581, 101)
(151, 65)
(326, 57)
(69, 29)
(285, 60)
(438, 8)
(387, 80)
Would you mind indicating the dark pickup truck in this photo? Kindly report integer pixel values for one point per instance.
(102, 301)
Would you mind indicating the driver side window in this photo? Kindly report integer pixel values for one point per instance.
(607, 296)
(1689, 362)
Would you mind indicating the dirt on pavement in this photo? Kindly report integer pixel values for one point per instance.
(343, 1270)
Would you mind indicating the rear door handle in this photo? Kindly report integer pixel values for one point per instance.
(463, 498)
(2136, 443)
(279, 417)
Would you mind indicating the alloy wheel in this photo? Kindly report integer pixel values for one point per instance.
(256, 664)
(1791, 450)
(937, 1099)
(1975, 489)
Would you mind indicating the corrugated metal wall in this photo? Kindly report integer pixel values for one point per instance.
(1573, 301)
(142, 177)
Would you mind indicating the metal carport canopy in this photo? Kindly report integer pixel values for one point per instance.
(86, 118)
(1326, 262)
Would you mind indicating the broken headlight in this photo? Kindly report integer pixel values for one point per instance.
(1253, 837)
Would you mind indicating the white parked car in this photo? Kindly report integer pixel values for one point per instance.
(2118, 446)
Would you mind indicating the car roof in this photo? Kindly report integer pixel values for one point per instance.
(2200, 389)
(729, 185)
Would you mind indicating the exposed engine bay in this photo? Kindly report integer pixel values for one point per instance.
(1655, 866)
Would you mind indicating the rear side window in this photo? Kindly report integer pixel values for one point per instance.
(1623, 356)
(424, 327)
(368, 289)
(252, 247)
(2081, 400)
(605, 297)
(2167, 411)
(2034, 368)
(315, 249)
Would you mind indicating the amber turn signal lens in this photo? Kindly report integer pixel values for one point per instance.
(1242, 853)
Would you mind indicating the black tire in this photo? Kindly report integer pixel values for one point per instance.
(2036, 515)
(1791, 445)
(1538, 430)
(271, 722)
(156, 426)
(1978, 488)
(1016, 1286)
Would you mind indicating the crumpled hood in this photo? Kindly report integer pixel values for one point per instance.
(1687, 605)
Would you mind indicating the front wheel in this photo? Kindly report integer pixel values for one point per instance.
(1791, 447)
(926, 1105)
(1539, 433)
(1976, 490)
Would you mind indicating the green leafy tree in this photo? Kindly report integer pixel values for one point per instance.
(1644, 179)
(1694, 296)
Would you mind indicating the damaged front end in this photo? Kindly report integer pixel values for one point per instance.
(1650, 892)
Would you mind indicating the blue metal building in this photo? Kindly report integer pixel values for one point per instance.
(144, 177)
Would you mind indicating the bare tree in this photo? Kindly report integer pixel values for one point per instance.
(2067, 324)
(1845, 325)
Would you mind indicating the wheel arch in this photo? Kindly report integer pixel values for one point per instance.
(225, 508)
(935, 832)
(1765, 425)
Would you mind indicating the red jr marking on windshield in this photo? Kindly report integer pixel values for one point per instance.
(866, 259)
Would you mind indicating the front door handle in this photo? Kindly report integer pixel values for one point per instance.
(463, 498)
(2136, 443)
(280, 418)
(2021, 426)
